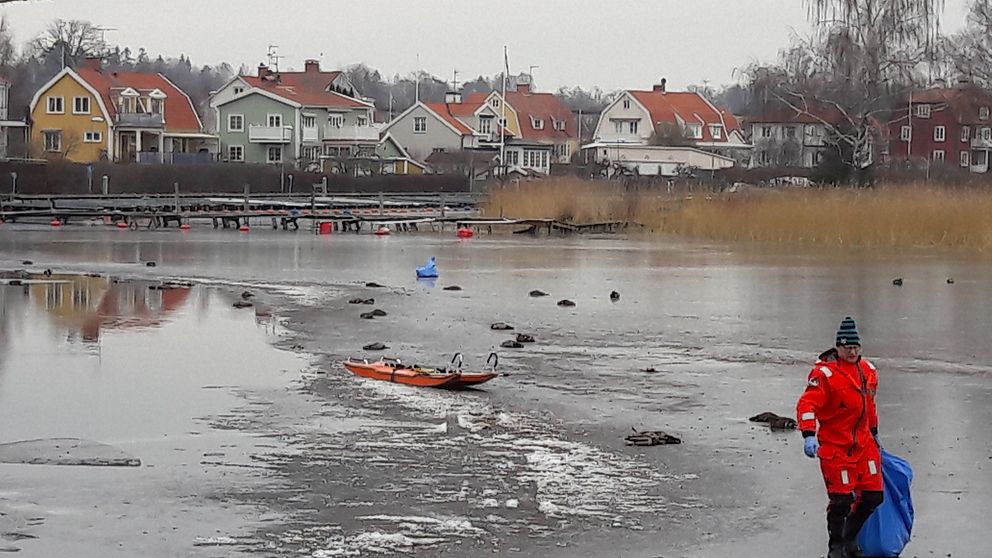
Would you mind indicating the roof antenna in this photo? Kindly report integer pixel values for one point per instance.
(274, 57)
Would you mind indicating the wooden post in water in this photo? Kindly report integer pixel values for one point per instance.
(313, 209)
(175, 197)
(381, 204)
(105, 188)
(247, 201)
(323, 185)
(442, 206)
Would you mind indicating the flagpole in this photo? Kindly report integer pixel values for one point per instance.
(502, 104)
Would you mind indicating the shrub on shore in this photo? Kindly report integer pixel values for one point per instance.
(882, 217)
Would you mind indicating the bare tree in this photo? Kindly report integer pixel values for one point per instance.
(8, 54)
(70, 40)
(970, 50)
(861, 58)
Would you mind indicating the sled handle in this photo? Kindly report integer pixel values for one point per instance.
(494, 358)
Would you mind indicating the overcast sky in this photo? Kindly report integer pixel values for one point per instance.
(613, 44)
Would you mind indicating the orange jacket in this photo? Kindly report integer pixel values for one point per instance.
(840, 396)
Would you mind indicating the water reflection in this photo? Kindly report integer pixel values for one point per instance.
(85, 307)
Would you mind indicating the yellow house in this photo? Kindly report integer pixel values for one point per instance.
(69, 120)
(91, 113)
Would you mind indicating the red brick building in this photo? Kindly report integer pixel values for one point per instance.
(950, 126)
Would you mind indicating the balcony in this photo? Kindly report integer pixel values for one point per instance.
(270, 134)
(309, 134)
(351, 133)
(981, 143)
(139, 120)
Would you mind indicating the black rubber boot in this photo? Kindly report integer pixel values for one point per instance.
(866, 505)
(837, 511)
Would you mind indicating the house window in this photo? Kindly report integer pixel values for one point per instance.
(80, 105)
(965, 133)
(764, 159)
(437, 150)
(236, 153)
(311, 153)
(513, 158)
(986, 133)
(502, 121)
(716, 131)
(55, 105)
(309, 121)
(618, 126)
(419, 124)
(923, 111)
(235, 123)
(560, 125)
(53, 141)
(633, 126)
(127, 105)
(626, 103)
(938, 155)
(363, 121)
(273, 154)
(983, 113)
(275, 121)
(939, 133)
(766, 131)
(544, 159)
(906, 133)
(486, 125)
(93, 137)
(790, 131)
(494, 102)
(239, 90)
(965, 158)
(694, 131)
(335, 120)
(537, 123)
(156, 105)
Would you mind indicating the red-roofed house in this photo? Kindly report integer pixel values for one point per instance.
(93, 114)
(538, 129)
(658, 131)
(310, 118)
(951, 126)
(427, 128)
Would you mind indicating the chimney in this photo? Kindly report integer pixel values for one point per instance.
(311, 66)
(523, 83)
(453, 98)
(94, 63)
(263, 70)
(660, 88)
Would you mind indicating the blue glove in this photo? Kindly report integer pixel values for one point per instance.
(810, 445)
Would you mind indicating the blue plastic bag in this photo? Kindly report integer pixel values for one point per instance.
(887, 531)
(428, 270)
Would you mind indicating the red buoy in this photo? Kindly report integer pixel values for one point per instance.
(381, 231)
(465, 232)
(56, 223)
(184, 227)
(244, 228)
(121, 225)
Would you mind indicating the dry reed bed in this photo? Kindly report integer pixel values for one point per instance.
(884, 217)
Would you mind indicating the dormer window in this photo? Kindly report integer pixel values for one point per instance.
(494, 102)
(560, 125)
(626, 103)
(716, 131)
(923, 111)
(157, 105)
(537, 123)
(694, 131)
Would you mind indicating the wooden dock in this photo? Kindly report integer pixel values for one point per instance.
(349, 212)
